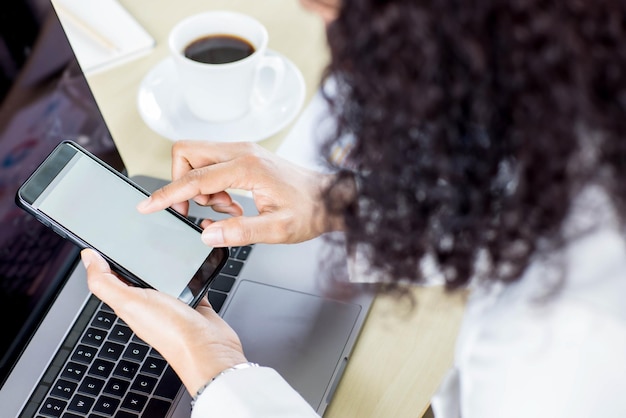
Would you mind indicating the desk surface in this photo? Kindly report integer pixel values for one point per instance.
(402, 352)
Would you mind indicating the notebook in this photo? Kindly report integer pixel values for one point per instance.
(63, 353)
(97, 44)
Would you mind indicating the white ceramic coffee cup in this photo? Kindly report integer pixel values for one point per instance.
(224, 92)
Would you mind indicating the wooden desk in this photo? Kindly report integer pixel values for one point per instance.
(401, 354)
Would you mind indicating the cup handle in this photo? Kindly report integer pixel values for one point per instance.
(265, 91)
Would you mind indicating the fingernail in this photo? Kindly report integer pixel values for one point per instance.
(87, 257)
(213, 236)
(143, 205)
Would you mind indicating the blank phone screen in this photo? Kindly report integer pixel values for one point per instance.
(100, 208)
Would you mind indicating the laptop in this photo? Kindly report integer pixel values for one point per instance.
(65, 354)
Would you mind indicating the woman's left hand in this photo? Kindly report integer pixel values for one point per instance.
(197, 343)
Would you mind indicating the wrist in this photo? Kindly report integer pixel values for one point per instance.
(199, 371)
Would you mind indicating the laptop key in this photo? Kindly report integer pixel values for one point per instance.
(155, 354)
(126, 369)
(111, 351)
(64, 389)
(169, 386)
(74, 371)
(144, 384)
(244, 252)
(120, 334)
(52, 407)
(232, 267)
(94, 336)
(216, 299)
(91, 386)
(84, 354)
(101, 368)
(134, 402)
(157, 408)
(81, 404)
(103, 320)
(116, 387)
(153, 366)
(223, 283)
(106, 404)
(136, 352)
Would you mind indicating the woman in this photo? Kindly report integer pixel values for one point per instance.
(494, 132)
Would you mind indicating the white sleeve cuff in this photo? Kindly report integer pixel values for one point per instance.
(253, 392)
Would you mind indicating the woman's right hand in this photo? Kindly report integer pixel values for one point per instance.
(288, 197)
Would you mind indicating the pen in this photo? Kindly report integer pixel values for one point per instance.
(84, 26)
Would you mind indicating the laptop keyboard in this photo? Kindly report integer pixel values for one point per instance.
(104, 370)
(223, 283)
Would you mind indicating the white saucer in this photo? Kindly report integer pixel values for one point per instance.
(163, 109)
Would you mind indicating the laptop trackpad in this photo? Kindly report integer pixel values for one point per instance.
(302, 336)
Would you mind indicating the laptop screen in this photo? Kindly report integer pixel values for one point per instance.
(44, 99)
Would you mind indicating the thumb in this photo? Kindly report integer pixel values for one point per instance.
(93, 260)
(243, 230)
(101, 281)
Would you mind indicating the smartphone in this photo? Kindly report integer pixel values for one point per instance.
(88, 202)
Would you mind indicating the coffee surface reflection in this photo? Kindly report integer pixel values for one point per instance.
(218, 49)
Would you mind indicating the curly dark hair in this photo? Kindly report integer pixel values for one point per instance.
(475, 124)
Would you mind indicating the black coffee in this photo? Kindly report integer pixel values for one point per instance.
(218, 49)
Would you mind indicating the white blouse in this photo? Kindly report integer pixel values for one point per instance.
(546, 347)
(540, 347)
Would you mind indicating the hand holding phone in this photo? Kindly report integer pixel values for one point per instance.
(85, 200)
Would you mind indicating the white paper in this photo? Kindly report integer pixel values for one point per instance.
(102, 33)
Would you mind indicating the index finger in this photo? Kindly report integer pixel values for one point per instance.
(189, 155)
(201, 181)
